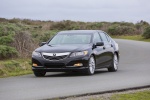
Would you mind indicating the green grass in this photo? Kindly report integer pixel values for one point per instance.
(15, 67)
(137, 95)
(134, 37)
(143, 95)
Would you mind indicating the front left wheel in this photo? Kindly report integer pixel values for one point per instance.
(91, 66)
(39, 74)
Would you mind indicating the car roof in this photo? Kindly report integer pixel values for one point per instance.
(80, 31)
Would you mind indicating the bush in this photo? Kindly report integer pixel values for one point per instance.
(3, 20)
(14, 20)
(94, 26)
(7, 52)
(23, 43)
(12, 27)
(146, 33)
(114, 30)
(5, 40)
(121, 30)
(2, 30)
(46, 36)
(8, 29)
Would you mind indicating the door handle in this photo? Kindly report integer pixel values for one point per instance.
(111, 45)
(104, 47)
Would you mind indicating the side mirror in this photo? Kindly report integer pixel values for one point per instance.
(100, 44)
(41, 44)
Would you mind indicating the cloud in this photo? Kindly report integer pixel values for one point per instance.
(83, 10)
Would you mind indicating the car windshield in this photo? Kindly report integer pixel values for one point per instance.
(71, 39)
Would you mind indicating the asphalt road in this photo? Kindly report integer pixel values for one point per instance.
(134, 71)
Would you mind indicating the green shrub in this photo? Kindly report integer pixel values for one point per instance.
(46, 36)
(2, 30)
(14, 20)
(35, 35)
(8, 29)
(12, 27)
(121, 30)
(94, 26)
(113, 30)
(7, 52)
(4, 40)
(146, 33)
(3, 20)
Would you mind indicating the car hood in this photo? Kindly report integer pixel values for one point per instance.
(63, 48)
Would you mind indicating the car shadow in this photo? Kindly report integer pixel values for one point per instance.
(73, 74)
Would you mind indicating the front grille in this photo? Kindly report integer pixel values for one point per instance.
(55, 56)
(55, 65)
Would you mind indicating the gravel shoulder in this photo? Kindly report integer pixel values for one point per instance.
(105, 96)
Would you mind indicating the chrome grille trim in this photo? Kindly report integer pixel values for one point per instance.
(55, 56)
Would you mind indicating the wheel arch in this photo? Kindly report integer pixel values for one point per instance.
(117, 53)
(94, 57)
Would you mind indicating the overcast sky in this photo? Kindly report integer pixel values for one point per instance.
(77, 10)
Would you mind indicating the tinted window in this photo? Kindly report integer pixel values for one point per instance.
(103, 36)
(96, 38)
(71, 39)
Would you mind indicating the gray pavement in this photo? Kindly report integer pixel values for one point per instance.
(134, 71)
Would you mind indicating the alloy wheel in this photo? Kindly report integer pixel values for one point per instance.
(92, 65)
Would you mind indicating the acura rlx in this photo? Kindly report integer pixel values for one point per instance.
(76, 50)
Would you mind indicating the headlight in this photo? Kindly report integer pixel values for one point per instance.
(82, 53)
(37, 54)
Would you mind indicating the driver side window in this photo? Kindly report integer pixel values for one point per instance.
(96, 38)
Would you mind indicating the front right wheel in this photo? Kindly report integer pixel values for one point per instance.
(114, 65)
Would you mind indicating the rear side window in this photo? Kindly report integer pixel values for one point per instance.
(104, 38)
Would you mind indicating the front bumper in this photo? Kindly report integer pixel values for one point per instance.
(61, 65)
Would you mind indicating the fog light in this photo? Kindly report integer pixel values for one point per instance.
(34, 65)
(78, 64)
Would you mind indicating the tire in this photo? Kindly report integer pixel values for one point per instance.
(91, 66)
(39, 74)
(114, 65)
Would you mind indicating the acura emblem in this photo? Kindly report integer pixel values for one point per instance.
(54, 54)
